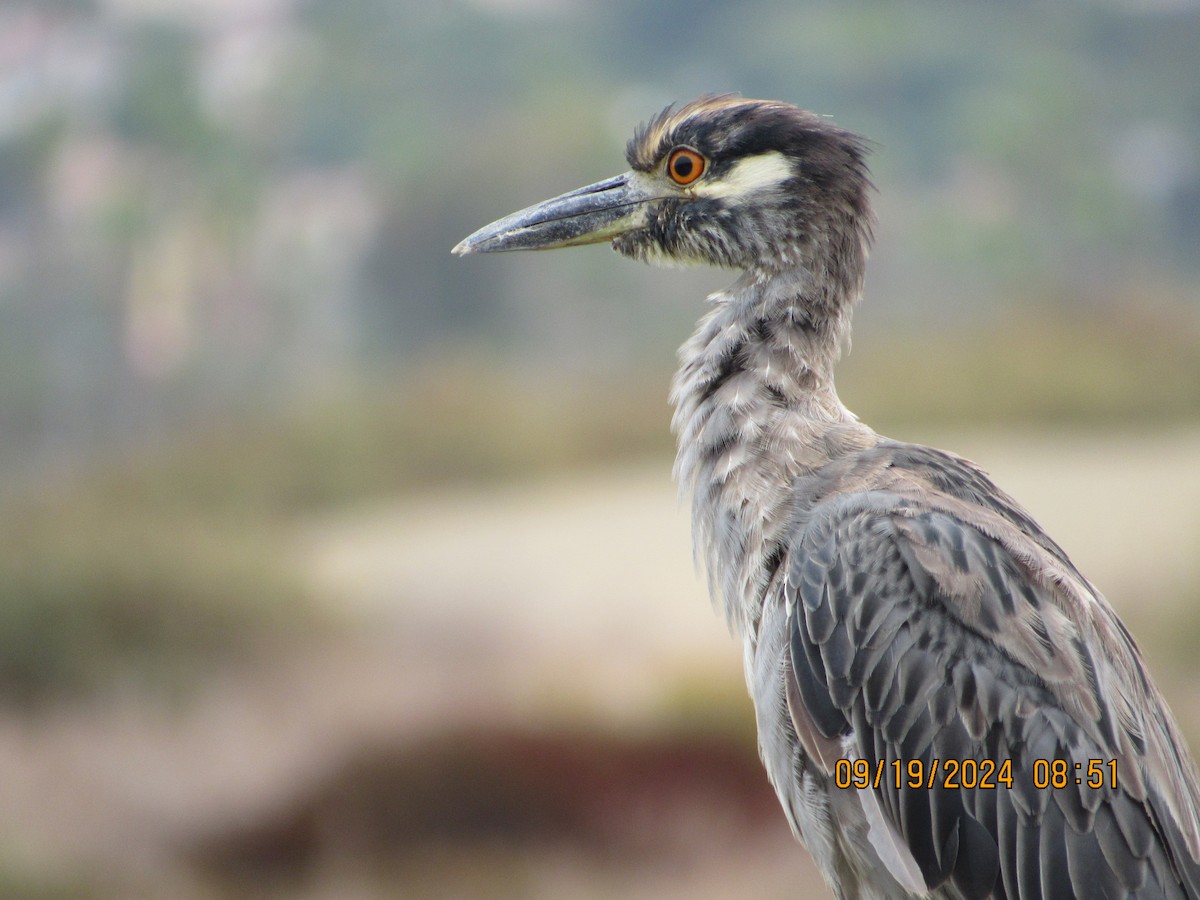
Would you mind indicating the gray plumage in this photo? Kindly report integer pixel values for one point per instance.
(893, 603)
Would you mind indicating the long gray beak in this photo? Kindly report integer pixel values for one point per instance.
(598, 212)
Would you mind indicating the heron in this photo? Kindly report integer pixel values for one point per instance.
(946, 707)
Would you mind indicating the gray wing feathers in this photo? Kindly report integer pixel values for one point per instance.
(919, 634)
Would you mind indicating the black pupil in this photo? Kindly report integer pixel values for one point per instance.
(683, 165)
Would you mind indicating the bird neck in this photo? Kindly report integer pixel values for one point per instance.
(756, 408)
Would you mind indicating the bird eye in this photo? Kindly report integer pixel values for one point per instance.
(685, 165)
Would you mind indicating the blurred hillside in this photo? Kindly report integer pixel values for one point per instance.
(208, 208)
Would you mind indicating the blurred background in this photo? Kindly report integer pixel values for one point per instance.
(334, 566)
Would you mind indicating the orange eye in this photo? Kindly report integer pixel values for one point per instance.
(685, 165)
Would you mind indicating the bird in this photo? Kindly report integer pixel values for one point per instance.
(946, 707)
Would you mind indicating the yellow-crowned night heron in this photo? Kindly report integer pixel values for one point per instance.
(946, 706)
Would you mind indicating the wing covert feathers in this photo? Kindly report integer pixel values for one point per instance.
(931, 619)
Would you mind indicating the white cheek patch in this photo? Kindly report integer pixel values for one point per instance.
(754, 173)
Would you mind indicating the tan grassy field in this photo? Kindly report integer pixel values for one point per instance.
(603, 560)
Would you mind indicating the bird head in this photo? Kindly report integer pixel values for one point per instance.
(745, 184)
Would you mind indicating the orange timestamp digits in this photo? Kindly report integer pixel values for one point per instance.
(984, 774)
(1058, 773)
(971, 774)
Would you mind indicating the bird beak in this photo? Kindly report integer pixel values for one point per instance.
(598, 212)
